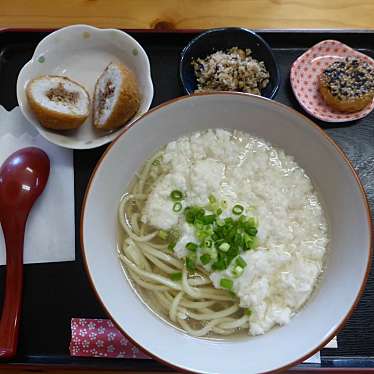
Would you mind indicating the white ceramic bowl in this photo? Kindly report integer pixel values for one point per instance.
(81, 53)
(345, 204)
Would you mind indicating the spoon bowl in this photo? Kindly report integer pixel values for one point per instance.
(23, 177)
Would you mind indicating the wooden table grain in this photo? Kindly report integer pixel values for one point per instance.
(187, 14)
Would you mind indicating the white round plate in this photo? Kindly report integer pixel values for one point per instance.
(348, 257)
(81, 53)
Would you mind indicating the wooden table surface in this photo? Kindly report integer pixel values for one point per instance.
(184, 14)
(187, 14)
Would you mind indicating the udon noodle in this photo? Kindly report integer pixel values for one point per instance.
(192, 303)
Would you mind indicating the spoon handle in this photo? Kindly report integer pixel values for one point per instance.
(14, 231)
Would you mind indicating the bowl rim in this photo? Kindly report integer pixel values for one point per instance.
(254, 34)
(97, 33)
(308, 121)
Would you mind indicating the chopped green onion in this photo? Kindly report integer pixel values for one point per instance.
(242, 219)
(208, 243)
(171, 246)
(177, 207)
(205, 259)
(163, 234)
(248, 242)
(207, 220)
(214, 237)
(204, 234)
(222, 240)
(190, 263)
(212, 199)
(193, 214)
(237, 271)
(176, 276)
(224, 247)
(238, 239)
(190, 218)
(156, 162)
(191, 246)
(212, 253)
(238, 209)
(251, 231)
(220, 222)
(252, 222)
(199, 225)
(218, 242)
(199, 212)
(254, 242)
(241, 262)
(176, 195)
(247, 312)
(201, 235)
(219, 265)
(226, 283)
(229, 221)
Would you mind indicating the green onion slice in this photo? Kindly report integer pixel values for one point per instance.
(251, 231)
(177, 207)
(163, 234)
(252, 222)
(238, 209)
(219, 265)
(224, 247)
(207, 220)
(226, 283)
(247, 312)
(191, 246)
(211, 252)
(190, 263)
(212, 199)
(205, 259)
(171, 246)
(237, 271)
(176, 276)
(220, 222)
(208, 243)
(241, 262)
(176, 195)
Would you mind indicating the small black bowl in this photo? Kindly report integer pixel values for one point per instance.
(223, 39)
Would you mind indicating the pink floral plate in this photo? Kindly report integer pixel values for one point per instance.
(304, 80)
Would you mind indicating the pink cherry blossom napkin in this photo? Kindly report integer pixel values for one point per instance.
(100, 338)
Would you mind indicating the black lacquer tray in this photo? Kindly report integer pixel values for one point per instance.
(54, 293)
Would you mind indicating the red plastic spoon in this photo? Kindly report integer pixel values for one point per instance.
(23, 177)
